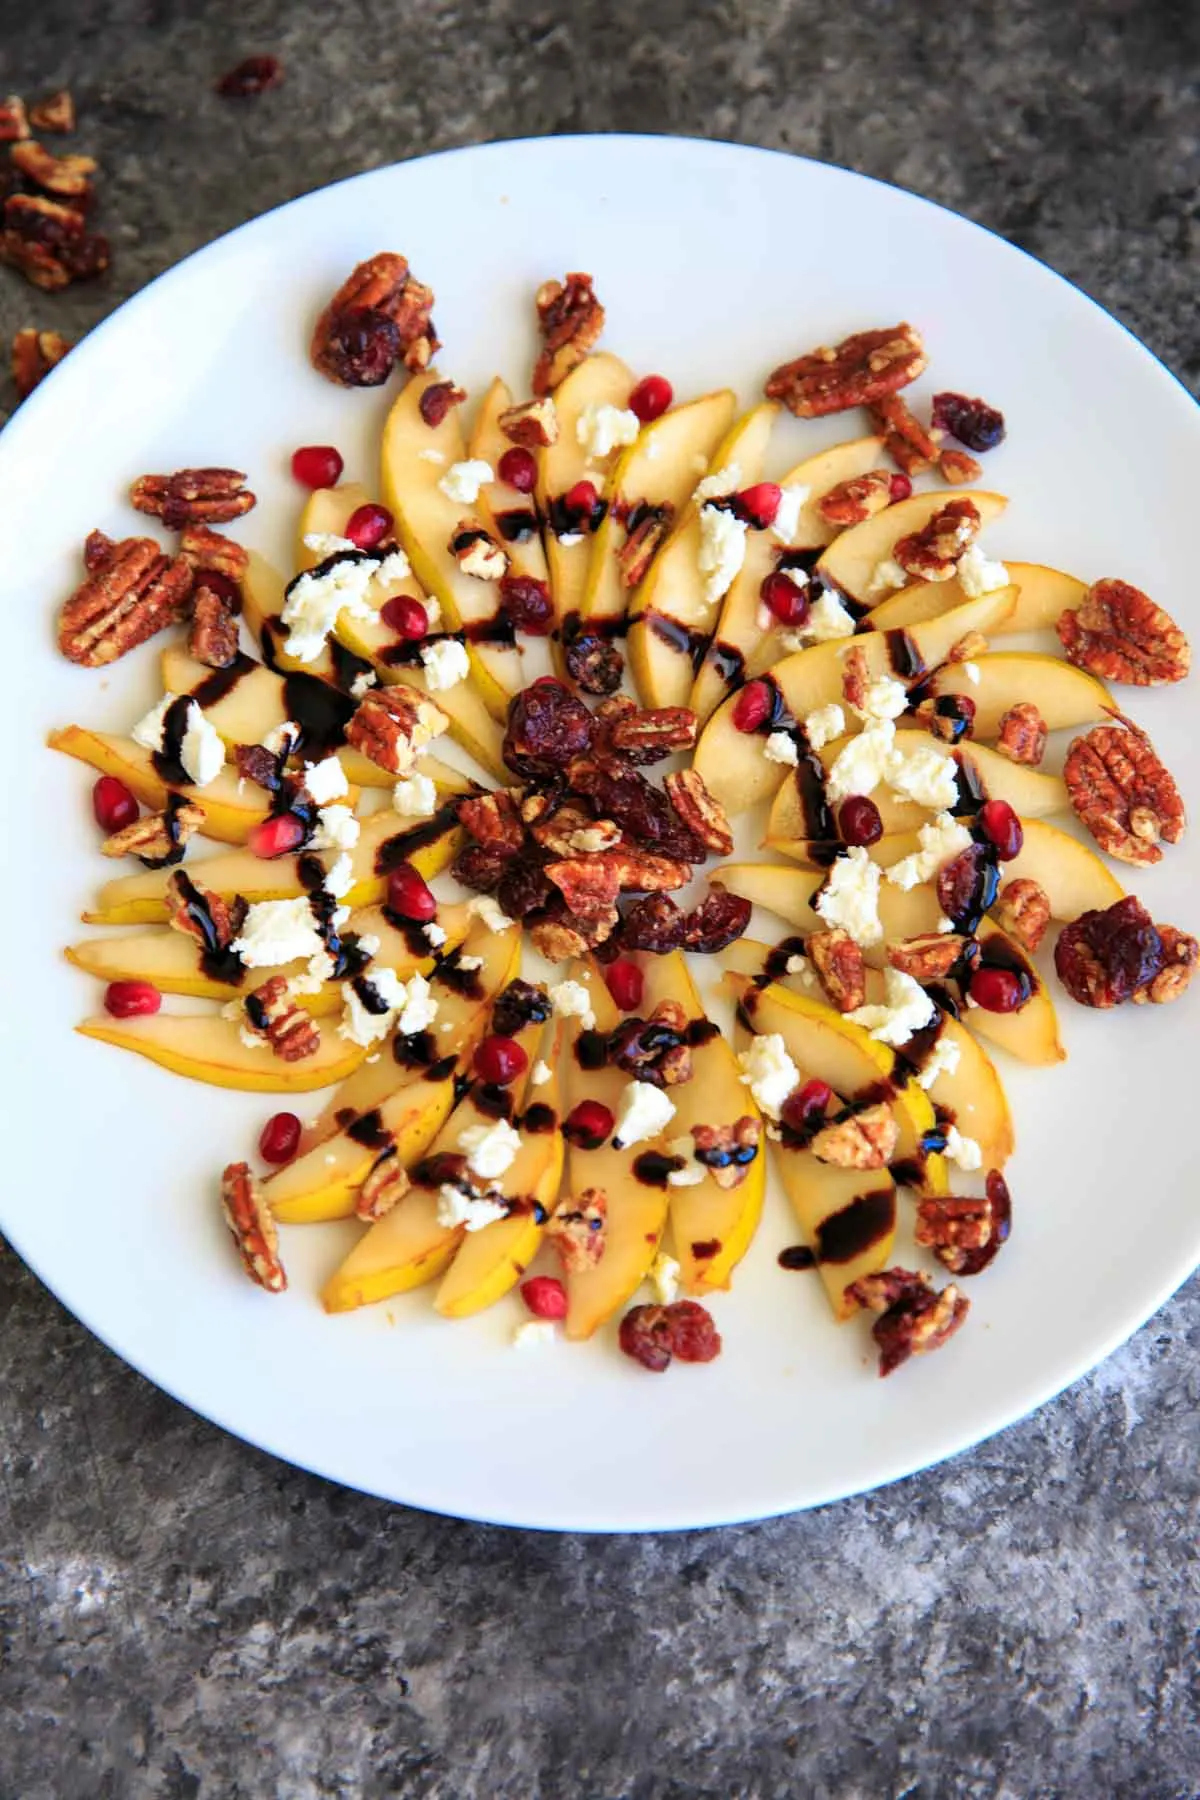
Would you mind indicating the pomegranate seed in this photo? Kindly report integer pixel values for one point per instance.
(113, 804)
(996, 990)
(651, 398)
(405, 616)
(409, 895)
(588, 1125)
(752, 708)
(1002, 827)
(519, 469)
(804, 1110)
(582, 498)
(545, 1297)
(277, 836)
(859, 821)
(900, 488)
(129, 999)
(279, 1138)
(761, 502)
(526, 601)
(626, 983)
(780, 595)
(368, 525)
(317, 465)
(500, 1060)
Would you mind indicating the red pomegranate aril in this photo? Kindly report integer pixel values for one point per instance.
(409, 895)
(405, 616)
(782, 598)
(807, 1106)
(500, 1060)
(545, 1297)
(518, 468)
(131, 999)
(589, 1125)
(582, 498)
(280, 1136)
(277, 836)
(626, 983)
(996, 990)
(651, 398)
(859, 821)
(761, 502)
(368, 525)
(900, 488)
(752, 708)
(1003, 829)
(317, 465)
(113, 804)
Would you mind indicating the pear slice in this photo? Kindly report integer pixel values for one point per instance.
(1044, 594)
(1064, 695)
(426, 520)
(1072, 876)
(789, 892)
(509, 515)
(599, 380)
(210, 1049)
(851, 560)
(741, 648)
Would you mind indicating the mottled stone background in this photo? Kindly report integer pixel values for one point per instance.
(181, 1616)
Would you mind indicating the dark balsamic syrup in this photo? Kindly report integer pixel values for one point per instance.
(796, 1256)
(854, 1229)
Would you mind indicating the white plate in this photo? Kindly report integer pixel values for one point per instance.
(715, 263)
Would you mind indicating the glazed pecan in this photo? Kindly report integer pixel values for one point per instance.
(1119, 634)
(850, 502)
(727, 1151)
(1021, 735)
(34, 354)
(200, 913)
(48, 242)
(476, 551)
(14, 124)
(1179, 953)
(193, 497)
(493, 820)
(643, 543)
(904, 437)
(254, 762)
(965, 1235)
(211, 550)
(124, 600)
(386, 1182)
(570, 319)
(157, 838)
(639, 872)
(437, 399)
(213, 634)
(66, 178)
(700, 812)
(557, 941)
(588, 884)
(927, 958)
(856, 678)
(1022, 909)
(249, 1219)
(861, 1140)
(950, 717)
(392, 725)
(272, 1013)
(569, 831)
(967, 647)
(380, 315)
(533, 424)
(578, 1231)
(647, 736)
(932, 553)
(958, 467)
(1125, 796)
(653, 1049)
(841, 966)
(1104, 957)
(55, 113)
(913, 1318)
(861, 370)
(593, 662)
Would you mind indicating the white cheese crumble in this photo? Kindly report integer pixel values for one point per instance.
(827, 620)
(717, 485)
(475, 1211)
(314, 602)
(769, 1072)
(824, 725)
(971, 671)
(780, 747)
(540, 1075)
(325, 781)
(394, 569)
(600, 428)
(484, 907)
(470, 963)
(435, 937)
(340, 878)
(278, 931)
(643, 1112)
(945, 925)
(490, 1150)
(978, 575)
(963, 1150)
(569, 538)
(664, 1278)
(362, 684)
(906, 1008)
(941, 840)
(463, 480)
(927, 777)
(850, 897)
(692, 1173)
(446, 663)
(431, 456)
(797, 965)
(327, 543)
(415, 797)
(202, 751)
(570, 1000)
(410, 1005)
(787, 520)
(884, 699)
(722, 550)
(887, 575)
(420, 1007)
(280, 739)
(865, 761)
(943, 1059)
(533, 1334)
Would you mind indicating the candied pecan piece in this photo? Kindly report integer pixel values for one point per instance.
(48, 243)
(254, 1232)
(393, 724)
(965, 1235)
(862, 369)
(437, 399)
(213, 552)
(578, 1230)
(930, 957)
(547, 726)
(860, 1140)
(950, 717)
(932, 553)
(594, 662)
(653, 1049)
(569, 831)
(213, 636)
(967, 647)
(643, 543)
(556, 940)
(1103, 957)
(254, 762)
(700, 811)
(14, 124)
(727, 1151)
(272, 1013)
(34, 354)
(55, 113)
(588, 884)
(493, 820)
(533, 424)
(386, 1182)
(646, 736)
(904, 437)
(476, 551)
(157, 838)
(655, 923)
(570, 319)
(126, 599)
(1119, 634)
(640, 872)
(1022, 909)
(380, 315)
(200, 913)
(913, 1318)
(1022, 734)
(720, 918)
(193, 497)
(850, 502)
(1179, 954)
(958, 468)
(1124, 795)
(66, 178)
(841, 966)
(856, 678)
(252, 76)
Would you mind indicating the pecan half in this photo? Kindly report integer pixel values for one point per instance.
(62, 177)
(34, 354)
(200, 913)
(392, 725)
(14, 123)
(533, 424)
(380, 315)
(841, 966)
(1179, 952)
(579, 1230)
(558, 941)
(211, 550)
(932, 553)
(959, 468)
(588, 884)
(927, 958)
(272, 1013)
(647, 736)
(861, 1140)
(643, 543)
(904, 437)
(55, 113)
(727, 1151)
(254, 1232)
(1021, 735)
(48, 242)
(850, 502)
(862, 369)
(124, 600)
(967, 647)
(1022, 909)
(476, 551)
(700, 811)
(193, 497)
(569, 831)
(213, 634)
(1119, 634)
(856, 678)
(493, 820)
(570, 319)
(386, 1182)
(157, 838)
(913, 1318)
(437, 399)
(1124, 795)
(965, 1235)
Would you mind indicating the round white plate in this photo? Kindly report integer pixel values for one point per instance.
(715, 263)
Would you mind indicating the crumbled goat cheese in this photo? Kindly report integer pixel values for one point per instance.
(363, 1024)
(202, 751)
(692, 1173)
(797, 965)
(340, 877)
(926, 776)
(939, 841)
(463, 480)
(722, 550)
(716, 486)
(978, 575)
(415, 797)
(446, 663)
(313, 603)
(643, 1112)
(533, 1334)
(769, 1072)
(493, 915)
(435, 937)
(963, 1150)
(568, 538)
(541, 1074)
(884, 699)
(787, 519)
(490, 1150)
(362, 684)
(570, 1000)
(850, 897)
(827, 620)
(455, 1208)
(278, 931)
(824, 725)
(325, 781)
(906, 1008)
(780, 747)
(887, 575)
(280, 739)
(971, 671)
(328, 543)
(600, 428)
(664, 1278)
(420, 1007)
(253, 1040)
(866, 760)
(470, 963)
(431, 456)
(943, 1059)
(392, 570)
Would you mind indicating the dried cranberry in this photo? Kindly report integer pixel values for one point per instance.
(645, 1334)
(626, 984)
(409, 894)
(223, 586)
(437, 399)
(595, 663)
(368, 525)
(280, 1136)
(1102, 957)
(545, 1297)
(651, 398)
(252, 76)
(997, 990)
(363, 348)
(405, 616)
(500, 1060)
(113, 804)
(859, 821)
(654, 923)
(131, 999)
(547, 726)
(1003, 828)
(753, 706)
(526, 601)
(899, 488)
(317, 465)
(480, 866)
(523, 888)
(716, 922)
(759, 504)
(277, 836)
(694, 1337)
(518, 468)
(973, 422)
(519, 1005)
(588, 1125)
(966, 886)
(804, 1110)
(784, 600)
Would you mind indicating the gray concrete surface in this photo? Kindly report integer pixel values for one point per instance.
(180, 1615)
